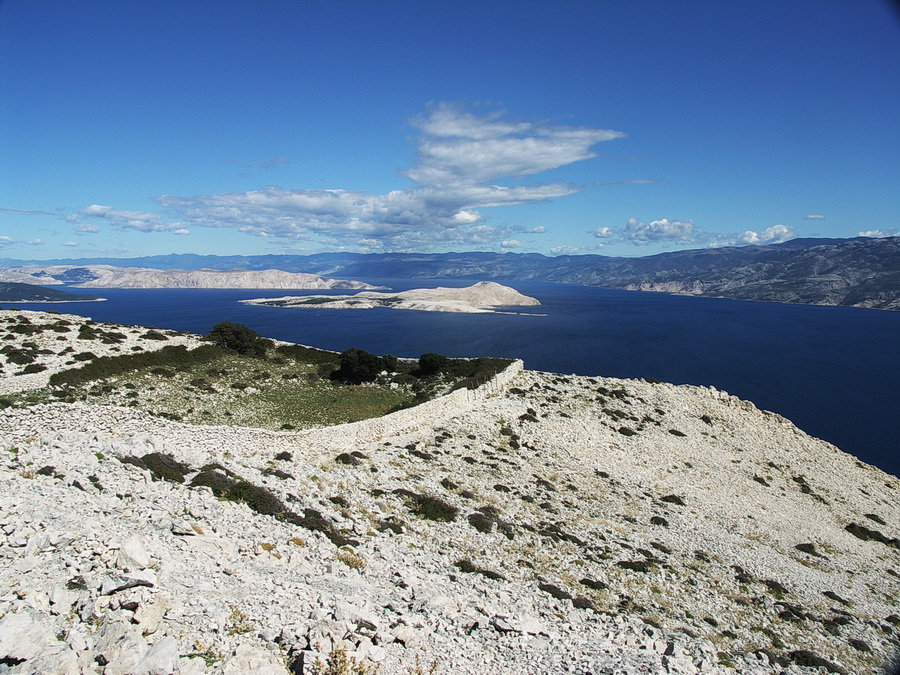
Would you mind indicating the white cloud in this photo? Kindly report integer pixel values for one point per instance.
(510, 243)
(540, 229)
(87, 229)
(181, 231)
(96, 210)
(35, 242)
(70, 243)
(464, 217)
(677, 231)
(142, 221)
(465, 163)
(771, 235)
(6, 241)
(814, 216)
(603, 232)
(879, 234)
(564, 250)
(456, 146)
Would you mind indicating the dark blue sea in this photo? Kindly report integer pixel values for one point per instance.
(833, 371)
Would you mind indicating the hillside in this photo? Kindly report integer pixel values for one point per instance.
(858, 272)
(106, 276)
(541, 523)
(20, 292)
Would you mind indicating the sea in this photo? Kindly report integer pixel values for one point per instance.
(833, 371)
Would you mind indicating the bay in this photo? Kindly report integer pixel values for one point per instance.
(833, 371)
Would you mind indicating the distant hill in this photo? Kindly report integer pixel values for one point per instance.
(15, 292)
(108, 276)
(859, 272)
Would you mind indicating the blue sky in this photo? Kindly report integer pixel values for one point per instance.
(620, 128)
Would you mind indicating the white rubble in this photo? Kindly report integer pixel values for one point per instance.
(549, 524)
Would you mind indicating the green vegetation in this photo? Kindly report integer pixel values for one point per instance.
(240, 379)
(239, 338)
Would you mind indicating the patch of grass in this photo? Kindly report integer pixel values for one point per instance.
(351, 560)
(341, 663)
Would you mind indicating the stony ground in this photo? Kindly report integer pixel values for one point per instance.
(564, 524)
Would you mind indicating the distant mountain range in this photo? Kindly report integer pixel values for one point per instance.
(859, 272)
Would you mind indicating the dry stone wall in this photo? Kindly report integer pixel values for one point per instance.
(425, 415)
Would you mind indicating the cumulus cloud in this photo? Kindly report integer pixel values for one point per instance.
(656, 231)
(6, 241)
(603, 232)
(87, 229)
(70, 243)
(879, 234)
(35, 242)
(181, 231)
(771, 235)
(465, 163)
(142, 221)
(540, 229)
(814, 216)
(510, 243)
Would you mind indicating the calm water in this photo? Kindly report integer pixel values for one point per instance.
(834, 371)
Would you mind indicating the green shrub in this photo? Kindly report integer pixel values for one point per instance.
(109, 366)
(239, 338)
(358, 365)
(433, 508)
(432, 364)
(161, 466)
(303, 354)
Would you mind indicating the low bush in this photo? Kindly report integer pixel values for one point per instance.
(161, 466)
(109, 366)
(302, 354)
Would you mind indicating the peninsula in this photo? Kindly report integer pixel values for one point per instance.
(109, 276)
(483, 297)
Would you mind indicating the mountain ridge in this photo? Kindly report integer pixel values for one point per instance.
(858, 272)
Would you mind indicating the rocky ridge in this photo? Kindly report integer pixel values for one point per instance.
(544, 523)
(107, 276)
(856, 272)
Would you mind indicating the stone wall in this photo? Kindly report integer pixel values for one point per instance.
(428, 414)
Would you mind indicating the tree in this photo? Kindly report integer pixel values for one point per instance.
(239, 338)
(357, 365)
(432, 364)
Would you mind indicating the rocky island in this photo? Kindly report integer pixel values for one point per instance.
(482, 297)
(541, 523)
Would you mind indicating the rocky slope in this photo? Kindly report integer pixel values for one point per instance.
(106, 276)
(545, 523)
(483, 297)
